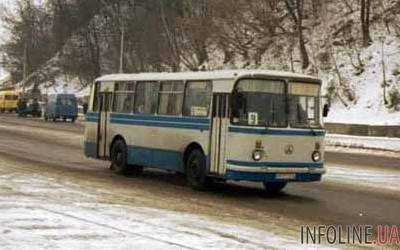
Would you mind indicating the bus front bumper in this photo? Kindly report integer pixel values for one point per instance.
(274, 174)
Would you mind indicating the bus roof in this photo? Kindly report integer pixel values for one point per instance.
(207, 75)
(8, 92)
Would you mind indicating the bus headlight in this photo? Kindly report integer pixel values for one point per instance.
(257, 155)
(316, 156)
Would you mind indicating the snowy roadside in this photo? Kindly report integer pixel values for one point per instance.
(42, 212)
(362, 142)
(368, 107)
(378, 179)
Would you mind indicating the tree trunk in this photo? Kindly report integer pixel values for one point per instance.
(365, 22)
(303, 50)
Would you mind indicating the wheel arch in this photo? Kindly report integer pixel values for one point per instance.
(116, 138)
(189, 148)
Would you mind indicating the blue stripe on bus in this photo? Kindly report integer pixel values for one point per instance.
(92, 119)
(162, 118)
(280, 132)
(90, 149)
(92, 114)
(193, 126)
(262, 177)
(151, 157)
(157, 121)
(276, 164)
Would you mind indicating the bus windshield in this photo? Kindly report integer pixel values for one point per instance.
(259, 102)
(304, 105)
(66, 100)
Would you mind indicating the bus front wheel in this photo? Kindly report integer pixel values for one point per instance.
(273, 188)
(119, 157)
(196, 170)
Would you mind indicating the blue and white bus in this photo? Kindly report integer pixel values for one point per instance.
(240, 125)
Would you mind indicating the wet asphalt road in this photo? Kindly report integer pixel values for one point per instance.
(55, 149)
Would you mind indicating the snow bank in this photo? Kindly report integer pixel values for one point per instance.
(369, 107)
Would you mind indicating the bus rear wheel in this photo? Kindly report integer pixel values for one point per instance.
(274, 188)
(119, 157)
(196, 170)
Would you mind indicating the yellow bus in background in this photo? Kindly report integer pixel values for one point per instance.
(8, 101)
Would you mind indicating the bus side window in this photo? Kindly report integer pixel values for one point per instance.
(147, 97)
(124, 95)
(197, 99)
(171, 98)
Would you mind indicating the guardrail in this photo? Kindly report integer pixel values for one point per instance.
(363, 130)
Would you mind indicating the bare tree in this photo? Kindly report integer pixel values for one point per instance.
(295, 9)
(365, 21)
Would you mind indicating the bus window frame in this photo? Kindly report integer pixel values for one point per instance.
(319, 98)
(285, 81)
(116, 92)
(137, 83)
(209, 111)
(184, 83)
(95, 97)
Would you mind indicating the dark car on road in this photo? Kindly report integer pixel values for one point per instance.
(61, 106)
(28, 107)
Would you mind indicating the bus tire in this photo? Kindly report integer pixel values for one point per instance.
(196, 170)
(119, 160)
(119, 156)
(274, 188)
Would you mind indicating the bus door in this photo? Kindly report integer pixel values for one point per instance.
(219, 131)
(105, 101)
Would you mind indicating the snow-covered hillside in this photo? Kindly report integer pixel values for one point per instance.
(64, 85)
(369, 107)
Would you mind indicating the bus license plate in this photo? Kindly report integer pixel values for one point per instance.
(286, 176)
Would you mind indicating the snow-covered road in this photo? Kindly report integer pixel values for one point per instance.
(383, 179)
(363, 142)
(39, 212)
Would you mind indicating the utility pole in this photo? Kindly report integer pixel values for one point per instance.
(28, 35)
(121, 56)
(25, 66)
(123, 12)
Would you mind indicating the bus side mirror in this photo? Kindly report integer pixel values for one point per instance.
(325, 112)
